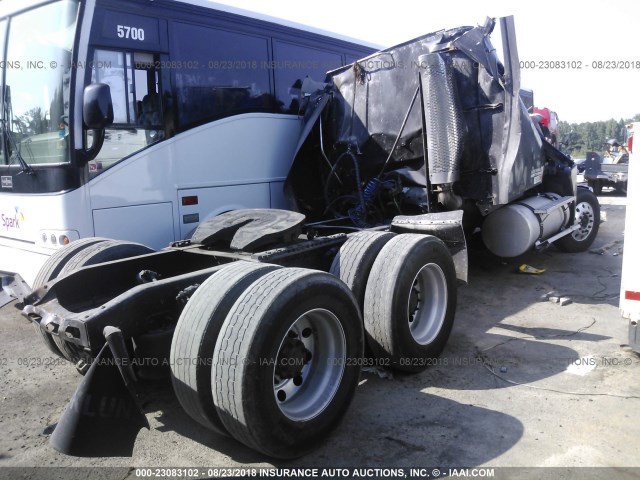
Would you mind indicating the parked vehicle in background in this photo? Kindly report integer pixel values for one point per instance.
(580, 163)
(609, 169)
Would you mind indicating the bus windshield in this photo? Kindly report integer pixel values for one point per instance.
(35, 101)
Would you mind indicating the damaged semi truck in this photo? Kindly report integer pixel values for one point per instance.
(262, 316)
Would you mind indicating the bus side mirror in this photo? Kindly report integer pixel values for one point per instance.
(97, 111)
(97, 108)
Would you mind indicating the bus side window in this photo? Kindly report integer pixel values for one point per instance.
(148, 102)
(138, 121)
(292, 64)
(134, 84)
(220, 74)
(109, 67)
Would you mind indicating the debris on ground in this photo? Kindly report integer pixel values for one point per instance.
(565, 301)
(524, 268)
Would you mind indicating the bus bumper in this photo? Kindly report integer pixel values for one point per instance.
(22, 258)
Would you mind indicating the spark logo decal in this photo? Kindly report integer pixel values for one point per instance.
(9, 221)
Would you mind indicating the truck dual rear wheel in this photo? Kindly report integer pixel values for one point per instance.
(588, 217)
(51, 269)
(196, 334)
(410, 301)
(286, 363)
(353, 262)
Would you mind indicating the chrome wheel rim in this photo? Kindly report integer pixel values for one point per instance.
(586, 218)
(427, 303)
(309, 366)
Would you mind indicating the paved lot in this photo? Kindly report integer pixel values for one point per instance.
(521, 383)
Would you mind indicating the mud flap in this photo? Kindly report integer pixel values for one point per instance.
(447, 226)
(104, 416)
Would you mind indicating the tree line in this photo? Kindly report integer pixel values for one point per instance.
(577, 139)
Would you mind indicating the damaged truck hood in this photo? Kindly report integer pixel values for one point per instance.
(470, 130)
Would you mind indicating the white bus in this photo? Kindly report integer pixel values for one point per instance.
(206, 106)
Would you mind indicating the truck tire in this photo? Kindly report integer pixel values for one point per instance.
(56, 262)
(353, 262)
(196, 334)
(410, 301)
(588, 216)
(596, 186)
(621, 187)
(103, 251)
(286, 364)
(51, 269)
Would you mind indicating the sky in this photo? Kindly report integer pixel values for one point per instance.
(588, 34)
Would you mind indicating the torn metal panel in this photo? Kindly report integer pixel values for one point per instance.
(470, 135)
(522, 160)
(476, 45)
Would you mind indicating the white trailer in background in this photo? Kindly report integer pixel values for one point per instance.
(630, 284)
